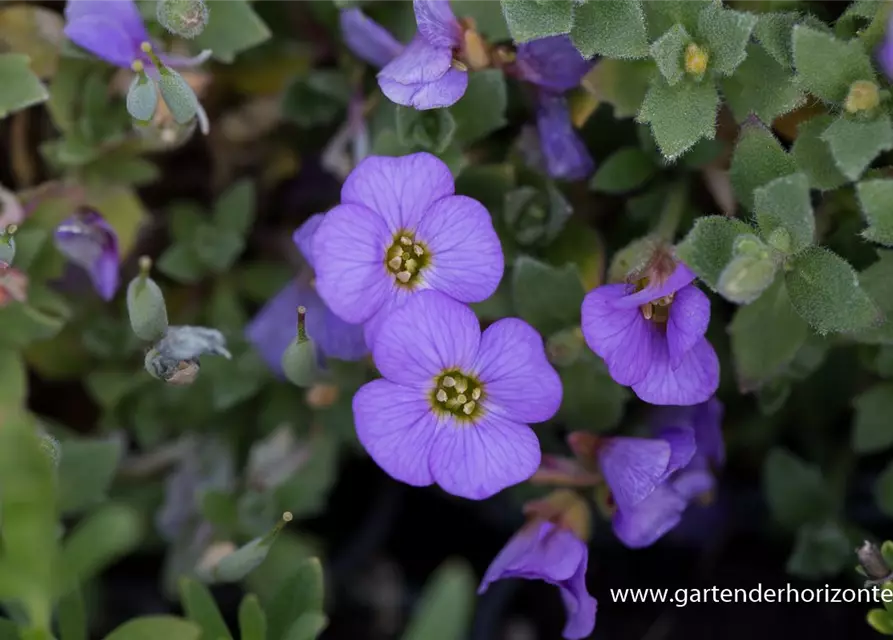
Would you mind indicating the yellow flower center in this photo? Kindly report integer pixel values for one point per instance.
(406, 259)
(457, 394)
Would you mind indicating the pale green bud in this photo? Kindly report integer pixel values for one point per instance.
(234, 566)
(145, 305)
(185, 18)
(178, 95)
(142, 96)
(747, 244)
(299, 362)
(8, 244)
(745, 278)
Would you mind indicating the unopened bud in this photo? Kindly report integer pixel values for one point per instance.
(145, 305)
(747, 244)
(185, 18)
(696, 60)
(8, 244)
(873, 563)
(863, 96)
(299, 362)
(142, 96)
(178, 96)
(239, 563)
(745, 278)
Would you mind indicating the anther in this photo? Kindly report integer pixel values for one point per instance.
(441, 395)
(405, 241)
(449, 381)
(417, 249)
(461, 399)
(476, 393)
(468, 408)
(395, 263)
(647, 310)
(461, 385)
(411, 265)
(404, 276)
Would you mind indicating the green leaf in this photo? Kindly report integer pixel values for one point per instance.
(813, 155)
(301, 593)
(103, 537)
(871, 427)
(547, 297)
(481, 111)
(41, 318)
(774, 31)
(855, 144)
(200, 607)
(880, 621)
(610, 28)
(795, 490)
(758, 159)
(877, 281)
(21, 88)
(72, 617)
(668, 53)
(762, 87)
(185, 218)
(591, 399)
(680, 115)
(726, 33)
(85, 472)
(252, 620)
(235, 208)
(13, 378)
(308, 626)
(444, 612)
(624, 170)
(876, 200)
(429, 130)
(621, 83)
(662, 15)
(765, 336)
(317, 98)
(883, 490)
(784, 203)
(487, 16)
(531, 20)
(180, 263)
(154, 628)
(825, 291)
(820, 550)
(233, 27)
(707, 248)
(826, 66)
(217, 248)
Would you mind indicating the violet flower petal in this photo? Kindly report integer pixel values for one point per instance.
(429, 334)
(419, 63)
(552, 63)
(467, 260)
(397, 427)
(367, 39)
(565, 153)
(303, 236)
(885, 51)
(511, 363)
(478, 460)
(689, 317)
(681, 277)
(88, 241)
(437, 94)
(707, 423)
(437, 22)
(644, 523)
(104, 38)
(633, 467)
(581, 607)
(124, 13)
(395, 297)
(692, 382)
(682, 447)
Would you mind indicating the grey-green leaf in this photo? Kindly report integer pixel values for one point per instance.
(155, 627)
(668, 52)
(872, 430)
(774, 31)
(680, 115)
(883, 490)
(481, 110)
(528, 20)
(233, 27)
(547, 297)
(826, 66)
(252, 620)
(746, 277)
(235, 208)
(876, 200)
(795, 490)
(300, 593)
(813, 155)
(610, 28)
(758, 159)
(445, 609)
(624, 170)
(21, 87)
(855, 144)
(726, 33)
(86, 470)
(762, 87)
(201, 608)
(784, 203)
(707, 248)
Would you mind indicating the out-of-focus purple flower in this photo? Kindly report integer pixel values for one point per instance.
(651, 336)
(275, 325)
(885, 52)
(367, 39)
(424, 75)
(552, 63)
(398, 230)
(544, 551)
(114, 31)
(566, 156)
(454, 405)
(88, 241)
(649, 518)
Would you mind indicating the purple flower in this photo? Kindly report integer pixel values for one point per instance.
(367, 39)
(544, 551)
(114, 31)
(454, 405)
(660, 510)
(885, 52)
(552, 63)
(424, 75)
(275, 325)
(90, 242)
(566, 156)
(651, 336)
(398, 230)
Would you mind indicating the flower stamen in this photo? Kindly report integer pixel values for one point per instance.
(406, 258)
(450, 395)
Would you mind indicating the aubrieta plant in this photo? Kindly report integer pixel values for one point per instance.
(588, 273)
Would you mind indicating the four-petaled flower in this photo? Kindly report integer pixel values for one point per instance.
(90, 242)
(274, 326)
(651, 336)
(426, 74)
(398, 230)
(454, 405)
(544, 551)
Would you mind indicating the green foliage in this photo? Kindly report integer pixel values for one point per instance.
(680, 115)
(21, 88)
(481, 111)
(444, 612)
(547, 297)
(826, 66)
(761, 86)
(877, 281)
(610, 28)
(667, 52)
(430, 130)
(784, 203)
(591, 400)
(708, 247)
(202, 610)
(871, 427)
(758, 159)
(876, 198)
(316, 99)
(854, 144)
(531, 20)
(301, 593)
(820, 550)
(726, 33)
(774, 32)
(794, 489)
(883, 490)
(154, 627)
(813, 155)
(624, 170)
(622, 84)
(233, 27)
(747, 276)
(252, 619)
(86, 470)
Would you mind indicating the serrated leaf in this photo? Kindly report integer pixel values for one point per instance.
(21, 88)
(826, 66)
(445, 609)
(854, 144)
(624, 170)
(531, 20)
(766, 336)
(813, 155)
(155, 627)
(825, 291)
(663, 14)
(726, 32)
(201, 608)
(234, 209)
(784, 203)
(668, 53)
(774, 31)
(621, 83)
(762, 87)
(481, 111)
(547, 297)
(877, 281)
(233, 27)
(86, 469)
(707, 248)
(795, 490)
(680, 115)
(758, 159)
(610, 28)
(876, 200)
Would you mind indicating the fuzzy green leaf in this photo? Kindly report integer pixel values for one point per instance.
(680, 115)
(774, 31)
(155, 627)
(877, 281)
(430, 130)
(762, 87)
(21, 88)
(707, 248)
(795, 490)
(86, 470)
(855, 144)
(821, 549)
(233, 28)
(784, 203)
(871, 426)
(621, 83)
(528, 20)
(624, 170)
(235, 208)
(610, 28)
(825, 291)
(547, 297)
(591, 399)
(758, 159)
(726, 33)
(252, 620)
(813, 155)
(481, 111)
(876, 200)
(663, 14)
(668, 52)
(302, 592)
(445, 609)
(826, 66)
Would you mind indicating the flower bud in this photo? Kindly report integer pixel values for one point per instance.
(299, 362)
(142, 96)
(873, 563)
(745, 278)
(238, 564)
(747, 244)
(178, 95)
(696, 60)
(8, 245)
(185, 18)
(864, 95)
(145, 305)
